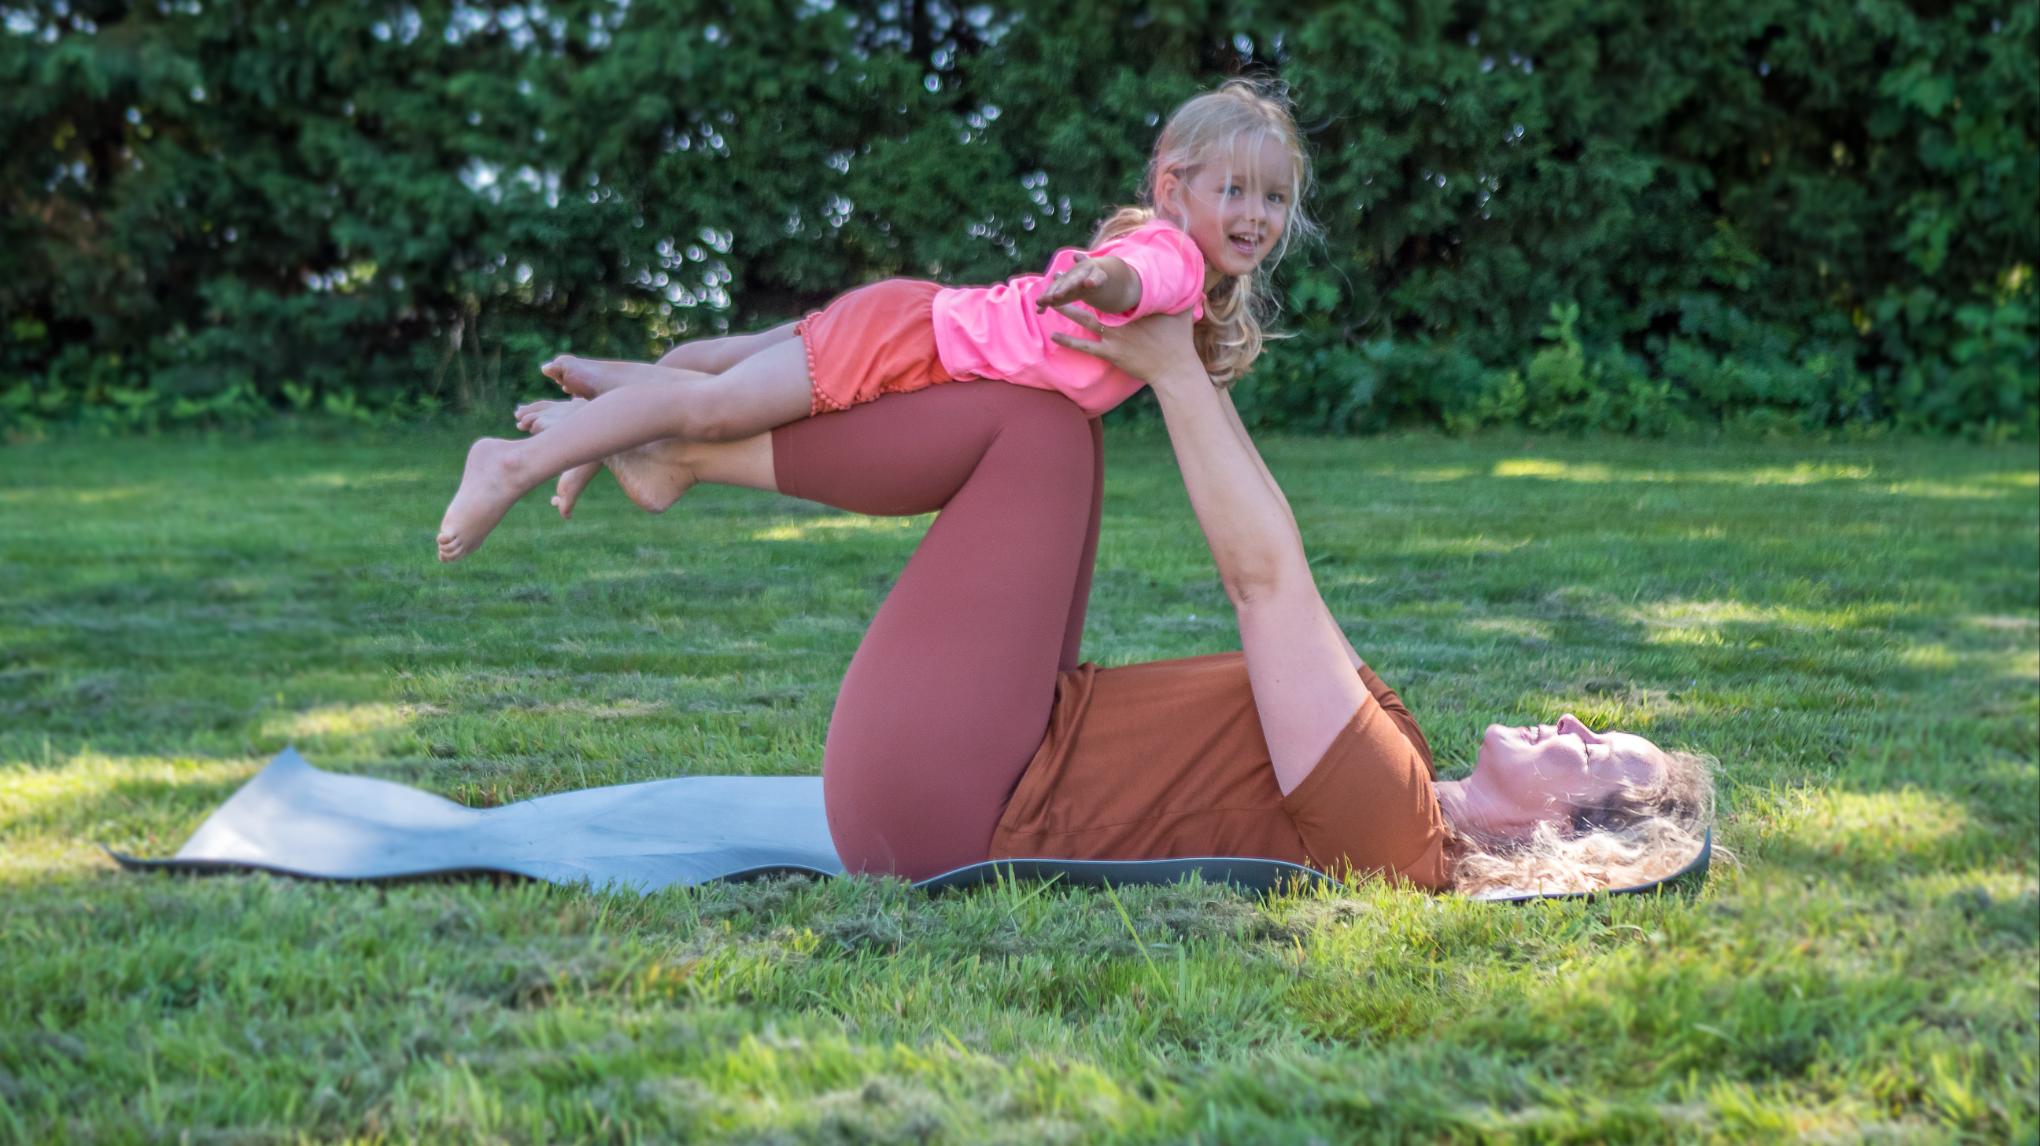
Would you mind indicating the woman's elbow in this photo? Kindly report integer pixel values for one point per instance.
(1253, 586)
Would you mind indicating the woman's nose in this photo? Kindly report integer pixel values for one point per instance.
(1573, 725)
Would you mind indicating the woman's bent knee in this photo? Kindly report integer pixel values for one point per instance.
(1050, 419)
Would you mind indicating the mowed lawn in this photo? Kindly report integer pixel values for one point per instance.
(1853, 630)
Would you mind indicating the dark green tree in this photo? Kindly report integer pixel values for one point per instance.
(1578, 214)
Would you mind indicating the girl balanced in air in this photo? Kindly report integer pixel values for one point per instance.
(1219, 207)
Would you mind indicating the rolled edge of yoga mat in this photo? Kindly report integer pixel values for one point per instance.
(1262, 875)
(202, 867)
(1245, 872)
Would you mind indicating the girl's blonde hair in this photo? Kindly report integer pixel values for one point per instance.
(1641, 834)
(1211, 128)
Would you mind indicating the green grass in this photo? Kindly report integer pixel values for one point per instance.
(1854, 631)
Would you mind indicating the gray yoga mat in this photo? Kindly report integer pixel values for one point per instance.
(294, 819)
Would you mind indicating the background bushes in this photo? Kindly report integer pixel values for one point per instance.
(1572, 214)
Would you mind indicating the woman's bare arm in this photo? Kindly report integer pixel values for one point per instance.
(1247, 441)
(1299, 664)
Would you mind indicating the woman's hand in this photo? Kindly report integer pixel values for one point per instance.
(1156, 349)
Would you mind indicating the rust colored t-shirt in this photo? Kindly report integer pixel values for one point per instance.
(1167, 759)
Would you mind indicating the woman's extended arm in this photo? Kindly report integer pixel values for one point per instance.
(1300, 666)
(1247, 441)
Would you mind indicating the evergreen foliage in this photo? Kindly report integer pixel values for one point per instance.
(1573, 214)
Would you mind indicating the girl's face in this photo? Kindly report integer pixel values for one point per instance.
(1234, 210)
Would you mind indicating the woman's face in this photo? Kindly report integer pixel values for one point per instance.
(1235, 211)
(1550, 770)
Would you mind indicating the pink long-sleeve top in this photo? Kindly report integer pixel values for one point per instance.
(995, 332)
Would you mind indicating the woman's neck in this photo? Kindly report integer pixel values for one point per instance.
(1472, 809)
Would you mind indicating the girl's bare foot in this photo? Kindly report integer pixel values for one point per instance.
(652, 476)
(488, 488)
(534, 417)
(581, 377)
(537, 417)
(567, 491)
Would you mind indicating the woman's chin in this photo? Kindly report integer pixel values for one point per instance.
(1492, 740)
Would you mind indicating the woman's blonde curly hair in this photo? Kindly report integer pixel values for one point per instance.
(1212, 128)
(1640, 834)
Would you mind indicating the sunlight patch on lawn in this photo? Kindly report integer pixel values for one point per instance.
(356, 479)
(1941, 490)
(2002, 622)
(339, 720)
(1479, 545)
(28, 792)
(1423, 474)
(1548, 468)
(1906, 820)
(845, 524)
(629, 707)
(1633, 709)
(1996, 885)
(99, 496)
(1691, 621)
(1522, 628)
(1932, 656)
(1804, 473)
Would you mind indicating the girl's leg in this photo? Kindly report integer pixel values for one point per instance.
(768, 389)
(949, 693)
(593, 377)
(656, 474)
(715, 355)
(700, 356)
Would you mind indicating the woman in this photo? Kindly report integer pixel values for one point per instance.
(966, 729)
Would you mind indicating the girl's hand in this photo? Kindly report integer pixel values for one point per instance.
(1156, 349)
(1078, 284)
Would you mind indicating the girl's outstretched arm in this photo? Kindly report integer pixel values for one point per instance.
(1106, 284)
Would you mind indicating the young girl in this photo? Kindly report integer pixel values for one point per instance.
(1221, 194)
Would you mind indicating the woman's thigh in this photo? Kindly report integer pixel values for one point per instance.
(949, 693)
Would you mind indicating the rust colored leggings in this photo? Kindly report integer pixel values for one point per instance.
(949, 694)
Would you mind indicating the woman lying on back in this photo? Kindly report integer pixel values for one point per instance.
(966, 728)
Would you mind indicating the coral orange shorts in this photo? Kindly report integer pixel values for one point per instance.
(877, 339)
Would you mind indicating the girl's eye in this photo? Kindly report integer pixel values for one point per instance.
(1275, 195)
(1231, 190)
